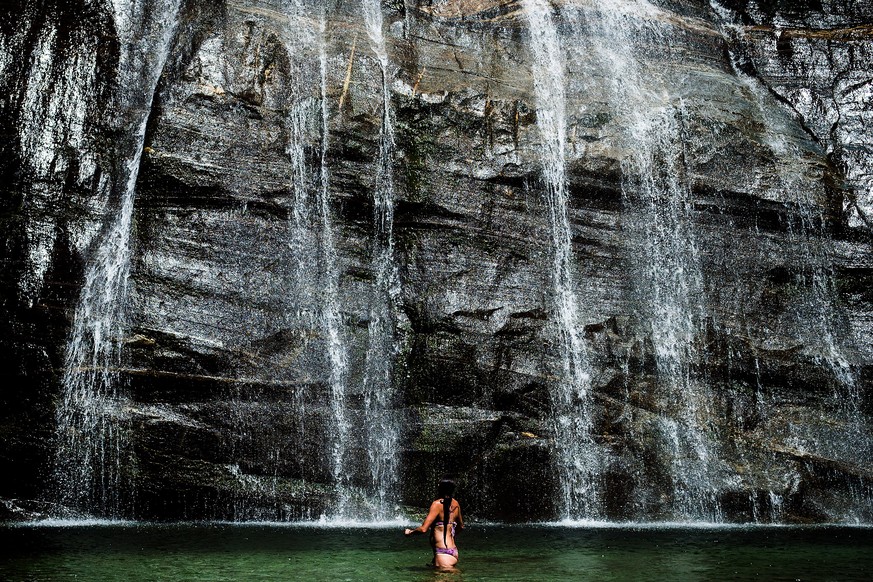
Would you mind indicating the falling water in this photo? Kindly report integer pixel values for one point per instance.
(382, 431)
(673, 302)
(313, 302)
(303, 231)
(818, 315)
(577, 455)
(331, 318)
(300, 120)
(305, 119)
(811, 233)
(253, 435)
(91, 448)
(669, 276)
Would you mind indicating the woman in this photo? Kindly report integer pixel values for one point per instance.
(441, 521)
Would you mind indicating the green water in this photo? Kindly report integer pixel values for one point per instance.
(229, 552)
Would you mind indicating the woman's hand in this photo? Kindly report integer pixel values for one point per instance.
(408, 532)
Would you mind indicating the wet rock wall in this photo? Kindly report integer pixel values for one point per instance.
(227, 381)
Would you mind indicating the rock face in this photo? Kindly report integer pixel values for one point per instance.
(726, 316)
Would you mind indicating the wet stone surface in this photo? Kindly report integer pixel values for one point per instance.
(225, 370)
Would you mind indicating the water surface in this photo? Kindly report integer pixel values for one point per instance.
(273, 552)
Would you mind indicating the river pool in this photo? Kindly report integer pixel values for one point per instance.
(218, 552)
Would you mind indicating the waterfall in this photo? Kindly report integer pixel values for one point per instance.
(299, 120)
(381, 425)
(668, 275)
(253, 433)
(810, 232)
(578, 459)
(312, 291)
(818, 314)
(671, 283)
(90, 471)
(331, 317)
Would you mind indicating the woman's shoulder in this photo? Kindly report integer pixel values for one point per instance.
(439, 503)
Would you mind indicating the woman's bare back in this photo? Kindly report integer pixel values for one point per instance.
(444, 534)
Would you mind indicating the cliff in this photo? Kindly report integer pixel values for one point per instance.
(719, 196)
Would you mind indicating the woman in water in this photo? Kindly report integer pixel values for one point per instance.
(441, 521)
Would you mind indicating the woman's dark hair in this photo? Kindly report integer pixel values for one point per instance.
(445, 490)
(446, 487)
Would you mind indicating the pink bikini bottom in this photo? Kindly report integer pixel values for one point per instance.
(448, 551)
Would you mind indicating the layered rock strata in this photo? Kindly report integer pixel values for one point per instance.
(227, 378)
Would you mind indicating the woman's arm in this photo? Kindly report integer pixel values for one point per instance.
(460, 518)
(428, 521)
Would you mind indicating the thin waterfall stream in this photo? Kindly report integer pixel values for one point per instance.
(820, 314)
(331, 316)
(578, 456)
(669, 279)
(381, 424)
(90, 468)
